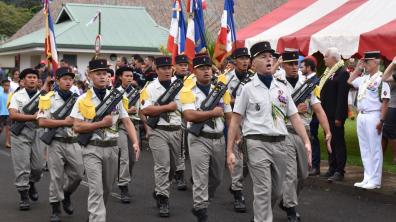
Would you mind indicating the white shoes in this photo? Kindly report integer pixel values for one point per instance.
(369, 186)
(360, 184)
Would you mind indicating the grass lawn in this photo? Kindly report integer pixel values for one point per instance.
(353, 151)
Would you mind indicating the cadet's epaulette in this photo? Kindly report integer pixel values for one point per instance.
(86, 106)
(9, 99)
(222, 78)
(45, 101)
(186, 94)
(281, 80)
(227, 98)
(125, 102)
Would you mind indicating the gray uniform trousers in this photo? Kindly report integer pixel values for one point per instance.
(27, 158)
(267, 167)
(237, 175)
(166, 148)
(296, 169)
(66, 168)
(127, 156)
(101, 169)
(207, 165)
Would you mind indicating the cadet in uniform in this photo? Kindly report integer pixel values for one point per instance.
(165, 138)
(264, 104)
(182, 72)
(27, 157)
(127, 157)
(64, 154)
(207, 151)
(237, 78)
(101, 154)
(296, 156)
(372, 103)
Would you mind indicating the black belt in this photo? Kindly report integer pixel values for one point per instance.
(103, 143)
(135, 122)
(66, 139)
(168, 128)
(211, 136)
(291, 130)
(265, 138)
(370, 111)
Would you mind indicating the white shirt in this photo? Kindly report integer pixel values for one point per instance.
(13, 86)
(256, 104)
(102, 134)
(154, 91)
(199, 98)
(371, 100)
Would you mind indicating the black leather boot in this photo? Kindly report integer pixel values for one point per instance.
(33, 192)
(239, 201)
(66, 203)
(180, 181)
(56, 212)
(163, 205)
(24, 202)
(125, 197)
(201, 214)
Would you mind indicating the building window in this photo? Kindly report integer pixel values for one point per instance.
(71, 59)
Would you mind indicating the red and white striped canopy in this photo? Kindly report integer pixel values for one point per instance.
(353, 26)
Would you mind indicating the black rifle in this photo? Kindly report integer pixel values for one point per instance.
(61, 113)
(211, 101)
(167, 97)
(133, 97)
(102, 110)
(29, 109)
(305, 90)
(243, 82)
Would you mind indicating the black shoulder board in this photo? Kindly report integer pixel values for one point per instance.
(281, 80)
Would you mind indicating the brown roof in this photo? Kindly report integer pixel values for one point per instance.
(246, 11)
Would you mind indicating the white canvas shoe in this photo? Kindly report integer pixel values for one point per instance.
(360, 184)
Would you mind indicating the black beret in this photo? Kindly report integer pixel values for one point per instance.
(260, 47)
(372, 55)
(98, 64)
(163, 61)
(64, 71)
(290, 55)
(239, 52)
(123, 69)
(28, 71)
(181, 59)
(201, 61)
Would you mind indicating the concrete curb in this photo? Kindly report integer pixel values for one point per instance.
(377, 195)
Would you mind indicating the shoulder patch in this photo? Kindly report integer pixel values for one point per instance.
(45, 101)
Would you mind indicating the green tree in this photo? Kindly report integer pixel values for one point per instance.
(12, 18)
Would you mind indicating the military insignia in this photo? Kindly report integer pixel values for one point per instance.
(281, 97)
(257, 107)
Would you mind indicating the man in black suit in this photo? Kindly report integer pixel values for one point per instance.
(334, 96)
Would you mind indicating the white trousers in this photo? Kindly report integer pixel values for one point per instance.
(370, 146)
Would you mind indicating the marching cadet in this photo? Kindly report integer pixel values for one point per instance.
(127, 157)
(264, 103)
(165, 138)
(27, 157)
(372, 103)
(100, 155)
(238, 77)
(181, 72)
(64, 154)
(207, 151)
(296, 156)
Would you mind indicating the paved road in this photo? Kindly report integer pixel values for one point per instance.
(316, 205)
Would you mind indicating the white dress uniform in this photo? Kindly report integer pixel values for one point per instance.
(264, 112)
(100, 156)
(164, 140)
(296, 162)
(371, 90)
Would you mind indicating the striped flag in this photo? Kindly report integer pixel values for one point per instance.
(51, 52)
(195, 40)
(177, 31)
(93, 19)
(227, 37)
